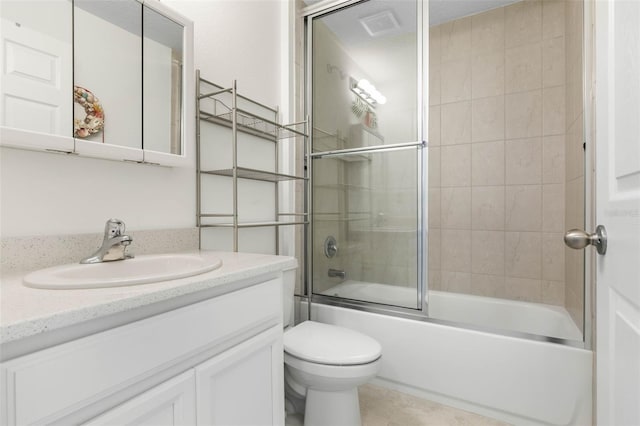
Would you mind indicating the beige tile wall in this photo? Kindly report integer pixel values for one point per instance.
(574, 170)
(497, 153)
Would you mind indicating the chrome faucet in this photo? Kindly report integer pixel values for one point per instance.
(114, 244)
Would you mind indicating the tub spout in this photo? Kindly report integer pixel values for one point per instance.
(337, 273)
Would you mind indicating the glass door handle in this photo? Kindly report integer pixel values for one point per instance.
(579, 239)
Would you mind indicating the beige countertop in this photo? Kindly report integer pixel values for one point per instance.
(26, 313)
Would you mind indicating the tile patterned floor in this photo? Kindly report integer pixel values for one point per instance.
(385, 407)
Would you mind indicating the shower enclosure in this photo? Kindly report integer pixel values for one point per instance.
(447, 161)
(368, 157)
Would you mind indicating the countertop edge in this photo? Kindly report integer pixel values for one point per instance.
(191, 290)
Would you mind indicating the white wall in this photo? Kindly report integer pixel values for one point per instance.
(237, 39)
(53, 17)
(49, 194)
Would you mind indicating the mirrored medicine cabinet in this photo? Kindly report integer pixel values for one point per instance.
(100, 78)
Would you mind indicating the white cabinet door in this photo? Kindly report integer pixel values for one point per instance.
(244, 385)
(171, 403)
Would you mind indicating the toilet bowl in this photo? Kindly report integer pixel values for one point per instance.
(324, 365)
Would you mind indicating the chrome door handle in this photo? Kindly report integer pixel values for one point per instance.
(579, 239)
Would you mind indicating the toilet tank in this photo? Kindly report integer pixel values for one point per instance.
(288, 290)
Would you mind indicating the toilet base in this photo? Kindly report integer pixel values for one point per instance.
(344, 408)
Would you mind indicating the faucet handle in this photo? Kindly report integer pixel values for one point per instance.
(113, 228)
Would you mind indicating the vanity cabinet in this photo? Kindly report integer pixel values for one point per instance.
(216, 392)
(169, 404)
(239, 386)
(204, 363)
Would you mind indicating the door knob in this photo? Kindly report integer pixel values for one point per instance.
(579, 239)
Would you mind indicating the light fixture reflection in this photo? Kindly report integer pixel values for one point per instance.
(368, 92)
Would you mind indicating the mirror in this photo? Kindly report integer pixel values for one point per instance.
(162, 66)
(102, 78)
(107, 72)
(37, 66)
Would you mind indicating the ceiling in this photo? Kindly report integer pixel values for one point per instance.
(382, 54)
(346, 26)
(439, 10)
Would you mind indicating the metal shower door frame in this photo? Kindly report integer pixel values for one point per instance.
(422, 16)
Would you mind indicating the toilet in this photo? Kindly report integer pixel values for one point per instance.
(324, 365)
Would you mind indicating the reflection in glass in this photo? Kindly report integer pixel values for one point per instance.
(365, 74)
(369, 203)
(107, 64)
(162, 79)
(36, 64)
(365, 79)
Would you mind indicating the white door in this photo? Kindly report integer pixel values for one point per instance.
(36, 93)
(617, 119)
(171, 403)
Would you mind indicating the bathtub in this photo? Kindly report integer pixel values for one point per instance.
(533, 318)
(517, 380)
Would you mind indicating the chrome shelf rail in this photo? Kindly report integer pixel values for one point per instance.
(254, 174)
(250, 122)
(226, 107)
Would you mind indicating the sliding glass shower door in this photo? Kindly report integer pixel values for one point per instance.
(505, 172)
(367, 159)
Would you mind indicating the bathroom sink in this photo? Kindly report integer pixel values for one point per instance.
(139, 270)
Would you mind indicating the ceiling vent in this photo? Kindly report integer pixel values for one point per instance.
(380, 23)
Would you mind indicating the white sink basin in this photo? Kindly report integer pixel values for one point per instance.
(139, 270)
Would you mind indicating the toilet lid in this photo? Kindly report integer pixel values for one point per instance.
(330, 344)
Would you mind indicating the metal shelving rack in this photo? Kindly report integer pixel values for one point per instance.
(243, 120)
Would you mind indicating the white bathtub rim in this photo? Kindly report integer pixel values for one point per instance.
(569, 335)
(412, 315)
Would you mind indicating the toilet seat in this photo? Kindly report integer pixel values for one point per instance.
(333, 372)
(330, 345)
